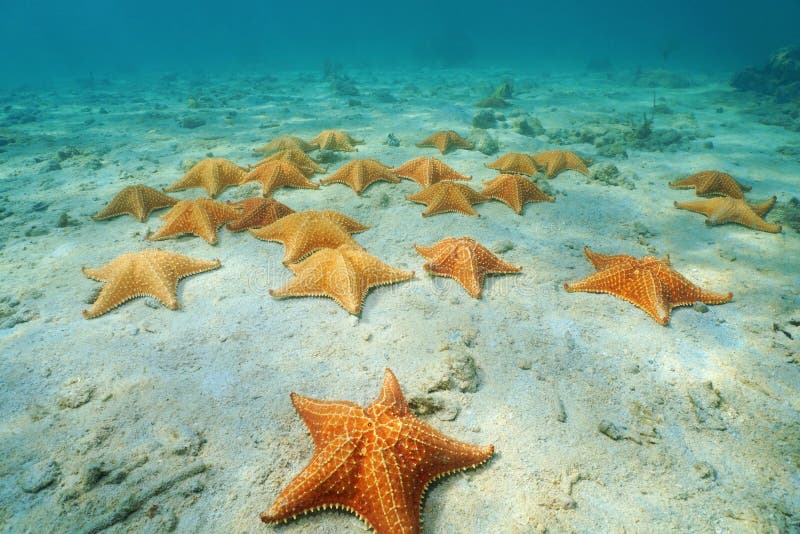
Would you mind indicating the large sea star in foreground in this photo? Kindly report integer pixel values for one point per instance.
(428, 171)
(138, 201)
(721, 210)
(649, 283)
(555, 161)
(446, 141)
(212, 174)
(199, 216)
(443, 197)
(376, 462)
(515, 191)
(465, 260)
(151, 272)
(706, 183)
(361, 173)
(344, 273)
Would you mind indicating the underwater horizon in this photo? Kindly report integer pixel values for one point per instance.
(44, 39)
(462, 268)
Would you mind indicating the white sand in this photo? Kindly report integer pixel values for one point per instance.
(208, 386)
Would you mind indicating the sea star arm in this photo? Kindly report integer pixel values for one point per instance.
(325, 481)
(394, 506)
(323, 418)
(686, 183)
(746, 217)
(707, 207)
(683, 293)
(764, 207)
(457, 203)
(436, 454)
(129, 283)
(491, 264)
(129, 202)
(634, 284)
(194, 221)
(335, 281)
(601, 261)
(442, 248)
(575, 163)
(390, 399)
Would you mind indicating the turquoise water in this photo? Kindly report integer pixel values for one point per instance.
(41, 39)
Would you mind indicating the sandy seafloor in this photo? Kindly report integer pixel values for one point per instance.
(149, 420)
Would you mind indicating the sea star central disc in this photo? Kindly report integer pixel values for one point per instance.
(376, 461)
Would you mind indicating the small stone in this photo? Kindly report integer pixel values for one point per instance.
(484, 142)
(328, 156)
(505, 90)
(484, 119)
(75, 393)
(67, 153)
(191, 122)
(188, 163)
(705, 471)
(463, 372)
(726, 255)
(706, 403)
(385, 97)
(392, 140)
(492, 102)
(699, 307)
(501, 246)
(194, 487)
(425, 405)
(69, 495)
(39, 476)
(448, 412)
(524, 364)
(94, 164)
(560, 411)
(36, 231)
(93, 473)
(610, 429)
(528, 126)
(51, 165)
(609, 174)
(64, 220)
(185, 441)
(383, 200)
(569, 340)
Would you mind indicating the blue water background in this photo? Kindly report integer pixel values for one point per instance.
(43, 39)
